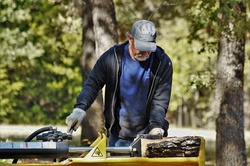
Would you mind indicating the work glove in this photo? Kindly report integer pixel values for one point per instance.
(156, 131)
(74, 120)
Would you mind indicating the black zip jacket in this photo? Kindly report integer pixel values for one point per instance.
(107, 71)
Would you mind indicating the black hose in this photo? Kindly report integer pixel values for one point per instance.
(34, 134)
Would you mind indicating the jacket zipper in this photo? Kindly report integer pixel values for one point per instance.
(151, 88)
(116, 84)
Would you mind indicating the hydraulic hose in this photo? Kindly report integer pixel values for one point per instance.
(34, 134)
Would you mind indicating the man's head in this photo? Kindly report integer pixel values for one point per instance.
(143, 33)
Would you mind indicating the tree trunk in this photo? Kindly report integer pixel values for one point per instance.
(105, 25)
(99, 33)
(230, 143)
(89, 127)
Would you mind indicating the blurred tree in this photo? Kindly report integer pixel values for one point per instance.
(99, 34)
(88, 60)
(230, 142)
(39, 44)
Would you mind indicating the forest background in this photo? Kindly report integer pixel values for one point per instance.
(41, 47)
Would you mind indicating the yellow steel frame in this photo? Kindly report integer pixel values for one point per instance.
(98, 157)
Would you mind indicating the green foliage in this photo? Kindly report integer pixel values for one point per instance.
(40, 52)
(8, 92)
(193, 69)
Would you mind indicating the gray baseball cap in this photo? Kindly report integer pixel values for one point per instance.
(144, 34)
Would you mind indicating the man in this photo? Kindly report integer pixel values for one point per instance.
(138, 79)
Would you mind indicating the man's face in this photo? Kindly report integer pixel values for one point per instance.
(137, 54)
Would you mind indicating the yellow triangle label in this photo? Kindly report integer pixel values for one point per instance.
(97, 153)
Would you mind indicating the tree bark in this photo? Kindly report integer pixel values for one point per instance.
(230, 143)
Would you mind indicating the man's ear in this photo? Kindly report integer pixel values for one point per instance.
(130, 38)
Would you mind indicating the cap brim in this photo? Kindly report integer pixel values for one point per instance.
(145, 46)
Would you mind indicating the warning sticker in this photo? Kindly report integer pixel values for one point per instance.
(97, 153)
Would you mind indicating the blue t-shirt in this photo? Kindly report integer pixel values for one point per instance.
(131, 115)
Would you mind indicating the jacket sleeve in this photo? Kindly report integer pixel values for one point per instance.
(94, 83)
(161, 97)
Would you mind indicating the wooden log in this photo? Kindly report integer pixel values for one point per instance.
(187, 146)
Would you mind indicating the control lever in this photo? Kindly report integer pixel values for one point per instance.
(71, 131)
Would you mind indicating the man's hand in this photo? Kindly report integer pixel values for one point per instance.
(74, 120)
(156, 131)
